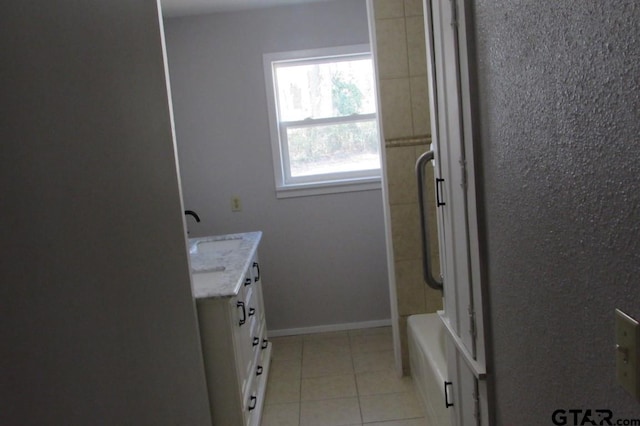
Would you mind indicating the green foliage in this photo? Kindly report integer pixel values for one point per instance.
(329, 147)
(346, 96)
(332, 142)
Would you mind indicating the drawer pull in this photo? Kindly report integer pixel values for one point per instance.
(252, 311)
(447, 404)
(244, 313)
(258, 370)
(438, 195)
(265, 343)
(257, 266)
(256, 340)
(253, 401)
(247, 281)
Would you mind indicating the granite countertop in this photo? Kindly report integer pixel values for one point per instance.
(219, 263)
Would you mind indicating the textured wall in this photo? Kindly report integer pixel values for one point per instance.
(323, 256)
(560, 122)
(98, 320)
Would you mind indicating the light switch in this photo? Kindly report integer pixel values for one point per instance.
(627, 338)
(236, 205)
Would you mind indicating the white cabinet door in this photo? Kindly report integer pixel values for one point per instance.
(451, 179)
(449, 68)
(236, 352)
(464, 390)
(243, 333)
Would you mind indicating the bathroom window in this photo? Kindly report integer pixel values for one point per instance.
(324, 128)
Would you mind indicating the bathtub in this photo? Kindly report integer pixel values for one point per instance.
(426, 336)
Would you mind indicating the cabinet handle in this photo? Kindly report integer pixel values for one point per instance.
(447, 404)
(438, 202)
(265, 343)
(257, 266)
(256, 340)
(244, 313)
(253, 401)
(247, 281)
(258, 370)
(252, 311)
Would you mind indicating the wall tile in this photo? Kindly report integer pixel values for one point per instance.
(405, 230)
(413, 8)
(416, 46)
(420, 105)
(391, 39)
(396, 108)
(410, 288)
(403, 188)
(404, 345)
(385, 9)
(433, 299)
(405, 113)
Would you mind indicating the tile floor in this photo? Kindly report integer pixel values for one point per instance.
(341, 378)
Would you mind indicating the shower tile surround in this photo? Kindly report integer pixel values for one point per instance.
(402, 73)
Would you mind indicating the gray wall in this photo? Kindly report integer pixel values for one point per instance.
(323, 256)
(560, 119)
(97, 319)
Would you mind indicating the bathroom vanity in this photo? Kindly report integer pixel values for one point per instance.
(236, 349)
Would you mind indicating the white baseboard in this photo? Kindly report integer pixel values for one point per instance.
(329, 328)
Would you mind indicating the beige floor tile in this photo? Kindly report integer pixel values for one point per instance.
(410, 422)
(328, 387)
(331, 412)
(329, 345)
(279, 391)
(286, 350)
(281, 415)
(317, 365)
(381, 382)
(371, 343)
(373, 361)
(327, 335)
(370, 331)
(325, 371)
(395, 406)
(285, 370)
(287, 339)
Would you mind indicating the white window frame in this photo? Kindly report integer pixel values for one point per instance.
(286, 185)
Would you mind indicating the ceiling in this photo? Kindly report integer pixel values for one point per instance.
(172, 8)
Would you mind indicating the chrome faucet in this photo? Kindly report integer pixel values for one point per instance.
(195, 216)
(192, 213)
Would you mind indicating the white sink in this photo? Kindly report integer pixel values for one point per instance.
(212, 255)
(208, 269)
(218, 245)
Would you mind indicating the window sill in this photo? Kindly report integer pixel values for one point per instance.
(333, 187)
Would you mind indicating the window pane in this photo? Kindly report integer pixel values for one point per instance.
(333, 148)
(325, 89)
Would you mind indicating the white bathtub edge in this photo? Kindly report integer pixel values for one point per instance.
(428, 365)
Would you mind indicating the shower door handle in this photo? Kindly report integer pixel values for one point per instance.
(427, 271)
